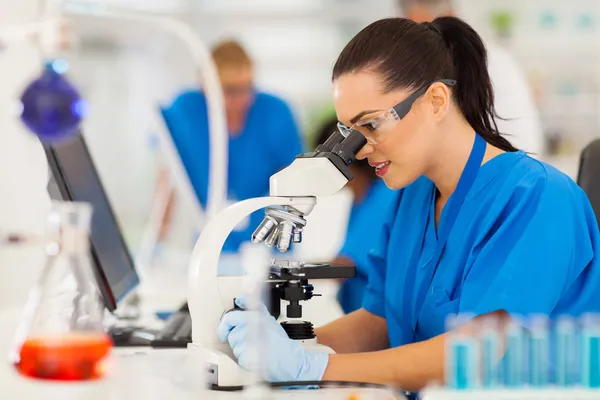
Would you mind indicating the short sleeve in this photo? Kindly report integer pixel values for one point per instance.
(187, 122)
(539, 249)
(186, 111)
(373, 300)
(366, 218)
(374, 261)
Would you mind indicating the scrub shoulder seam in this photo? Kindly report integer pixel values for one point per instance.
(543, 174)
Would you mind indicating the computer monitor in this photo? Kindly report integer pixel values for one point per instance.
(75, 178)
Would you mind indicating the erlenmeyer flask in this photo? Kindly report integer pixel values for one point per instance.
(61, 336)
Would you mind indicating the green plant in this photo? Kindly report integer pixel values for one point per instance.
(502, 21)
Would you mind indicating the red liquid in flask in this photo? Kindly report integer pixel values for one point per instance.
(73, 357)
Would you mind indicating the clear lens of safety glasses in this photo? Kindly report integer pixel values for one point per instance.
(377, 127)
(344, 130)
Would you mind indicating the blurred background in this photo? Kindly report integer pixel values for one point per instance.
(127, 71)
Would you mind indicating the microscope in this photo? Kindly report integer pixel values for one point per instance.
(293, 194)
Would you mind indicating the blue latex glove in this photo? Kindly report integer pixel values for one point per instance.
(286, 360)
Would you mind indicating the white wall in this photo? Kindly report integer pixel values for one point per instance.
(125, 79)
(23, 173)
(556, 43)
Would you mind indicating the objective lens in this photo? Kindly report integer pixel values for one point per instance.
(297, 235)
(264, 229)
(272, 238)
(285, 236)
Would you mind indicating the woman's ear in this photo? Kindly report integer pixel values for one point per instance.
(440, 99)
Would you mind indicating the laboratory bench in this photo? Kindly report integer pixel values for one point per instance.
(146, 373)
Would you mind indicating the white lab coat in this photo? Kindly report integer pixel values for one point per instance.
(514, 102)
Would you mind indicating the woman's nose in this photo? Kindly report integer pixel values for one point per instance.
(364, 152)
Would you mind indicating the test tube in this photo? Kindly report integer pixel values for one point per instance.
(513, 365)
(539, 351)
(490, 352)
(590, 351)
(567, 352)
(462, 354)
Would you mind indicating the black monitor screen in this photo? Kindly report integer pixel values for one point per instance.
(75, 179)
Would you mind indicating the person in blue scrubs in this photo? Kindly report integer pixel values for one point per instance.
(479, 227)
(263, 135)
(371, 199)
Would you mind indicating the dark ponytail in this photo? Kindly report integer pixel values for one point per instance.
(474, 93)
(410, 55)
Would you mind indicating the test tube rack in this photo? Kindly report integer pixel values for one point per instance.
(533, 357)
(550, 393)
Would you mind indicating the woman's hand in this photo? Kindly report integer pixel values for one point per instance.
(286, 359)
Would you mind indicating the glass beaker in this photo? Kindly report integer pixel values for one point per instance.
(61, 335)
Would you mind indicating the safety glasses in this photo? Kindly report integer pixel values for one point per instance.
(375, 125)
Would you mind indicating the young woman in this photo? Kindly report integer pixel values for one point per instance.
(480, 227)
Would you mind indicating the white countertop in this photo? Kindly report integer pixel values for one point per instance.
(145, 373)
(149, 375)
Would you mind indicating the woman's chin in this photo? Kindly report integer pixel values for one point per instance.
(396, 181)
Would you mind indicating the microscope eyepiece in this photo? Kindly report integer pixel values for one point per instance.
(350, 146)
(335, 138)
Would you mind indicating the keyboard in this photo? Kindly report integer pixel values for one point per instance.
(177, 332)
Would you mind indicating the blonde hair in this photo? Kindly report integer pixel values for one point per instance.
(438, 7)
(230, 53)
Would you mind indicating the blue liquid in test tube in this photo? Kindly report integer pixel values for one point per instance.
(539, 349)
(590, 352)
(514, 357)
(463, 360)
(461, 357)
(566, 353)
(490, 352)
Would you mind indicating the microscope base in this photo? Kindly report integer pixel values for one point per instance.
(224, 373)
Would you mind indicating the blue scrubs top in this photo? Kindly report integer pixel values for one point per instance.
(366, 217)
(269, 141)
(524, 241)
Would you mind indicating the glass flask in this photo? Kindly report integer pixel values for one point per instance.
(61, 335)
